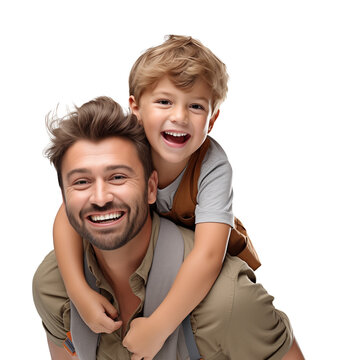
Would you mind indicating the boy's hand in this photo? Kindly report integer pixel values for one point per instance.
(144, 338)
(98, 313)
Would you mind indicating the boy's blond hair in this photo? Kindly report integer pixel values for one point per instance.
(184, 60)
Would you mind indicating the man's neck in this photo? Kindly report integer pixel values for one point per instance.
(118, 265)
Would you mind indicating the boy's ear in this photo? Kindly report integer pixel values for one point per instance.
(152, 187)
(212, 121)
(134, 107)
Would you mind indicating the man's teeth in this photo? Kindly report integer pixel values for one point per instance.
(175, 133)
(111, 216)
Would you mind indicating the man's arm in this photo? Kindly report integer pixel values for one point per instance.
(294, 353)
(59, 353)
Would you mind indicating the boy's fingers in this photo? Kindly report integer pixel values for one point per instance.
(136, 357)
(110, 325)
(111, 312)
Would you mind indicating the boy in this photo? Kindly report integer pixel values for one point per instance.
(176, 89)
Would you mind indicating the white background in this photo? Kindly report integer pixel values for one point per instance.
(278, 127)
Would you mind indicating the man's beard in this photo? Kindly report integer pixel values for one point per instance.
(107, 239)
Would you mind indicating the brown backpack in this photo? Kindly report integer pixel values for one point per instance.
(183, 210)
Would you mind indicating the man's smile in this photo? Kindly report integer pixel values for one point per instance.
(106, 219)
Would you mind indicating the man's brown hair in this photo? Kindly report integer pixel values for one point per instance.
(95, 120)
(184, 60)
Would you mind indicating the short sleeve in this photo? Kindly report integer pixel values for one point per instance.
(257, 329)
(51, 300)
(215, 194)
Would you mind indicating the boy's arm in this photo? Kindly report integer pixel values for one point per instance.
(92, 306)
(194, 280)
(69, 254)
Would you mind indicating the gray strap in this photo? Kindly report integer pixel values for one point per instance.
(190, 342)
(167, 260)
(85, 341)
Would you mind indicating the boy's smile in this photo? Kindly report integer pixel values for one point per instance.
(175, 139)
(176, 121)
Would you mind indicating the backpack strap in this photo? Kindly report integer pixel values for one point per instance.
(85, 341)
(185, 201)
(168, 258)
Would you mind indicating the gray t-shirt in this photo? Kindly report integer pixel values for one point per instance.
(214, 198)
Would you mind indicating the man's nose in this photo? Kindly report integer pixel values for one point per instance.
(101, 193)
(179, 115)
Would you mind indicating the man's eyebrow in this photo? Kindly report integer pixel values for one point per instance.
(119, 167)
(107, 168)
(76, 171)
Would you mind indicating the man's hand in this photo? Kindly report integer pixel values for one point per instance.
(144, 338)
(98, 313)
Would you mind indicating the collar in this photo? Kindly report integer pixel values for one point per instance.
(139, 278)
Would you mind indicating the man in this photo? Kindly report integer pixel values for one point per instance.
(103, 164)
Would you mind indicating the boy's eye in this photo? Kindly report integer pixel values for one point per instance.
(163, 102)
(197, 107)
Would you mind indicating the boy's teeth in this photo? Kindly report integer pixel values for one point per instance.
(175, 134)
(110, 216)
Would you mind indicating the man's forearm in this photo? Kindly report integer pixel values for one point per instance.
(59, 353)
(294, 353)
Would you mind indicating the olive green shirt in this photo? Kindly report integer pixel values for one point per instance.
(236, 320)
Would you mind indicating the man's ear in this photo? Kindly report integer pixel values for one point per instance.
(152, 187)
(212, 121)
(134, 107)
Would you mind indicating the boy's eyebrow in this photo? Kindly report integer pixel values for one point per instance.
(107, 168)
(165, 93)
(202, 98)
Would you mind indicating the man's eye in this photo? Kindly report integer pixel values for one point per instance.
(117, 178)
(81, 182)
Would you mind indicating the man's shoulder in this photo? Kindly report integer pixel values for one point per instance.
(232, 267)
(188, 239)
(187, 234)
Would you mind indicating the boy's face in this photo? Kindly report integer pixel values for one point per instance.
(175, 121)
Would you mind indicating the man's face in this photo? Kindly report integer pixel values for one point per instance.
(105, 193)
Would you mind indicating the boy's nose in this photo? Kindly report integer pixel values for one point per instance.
(101, 194)
(179, 115)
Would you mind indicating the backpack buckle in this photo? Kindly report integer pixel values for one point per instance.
(68, 344)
